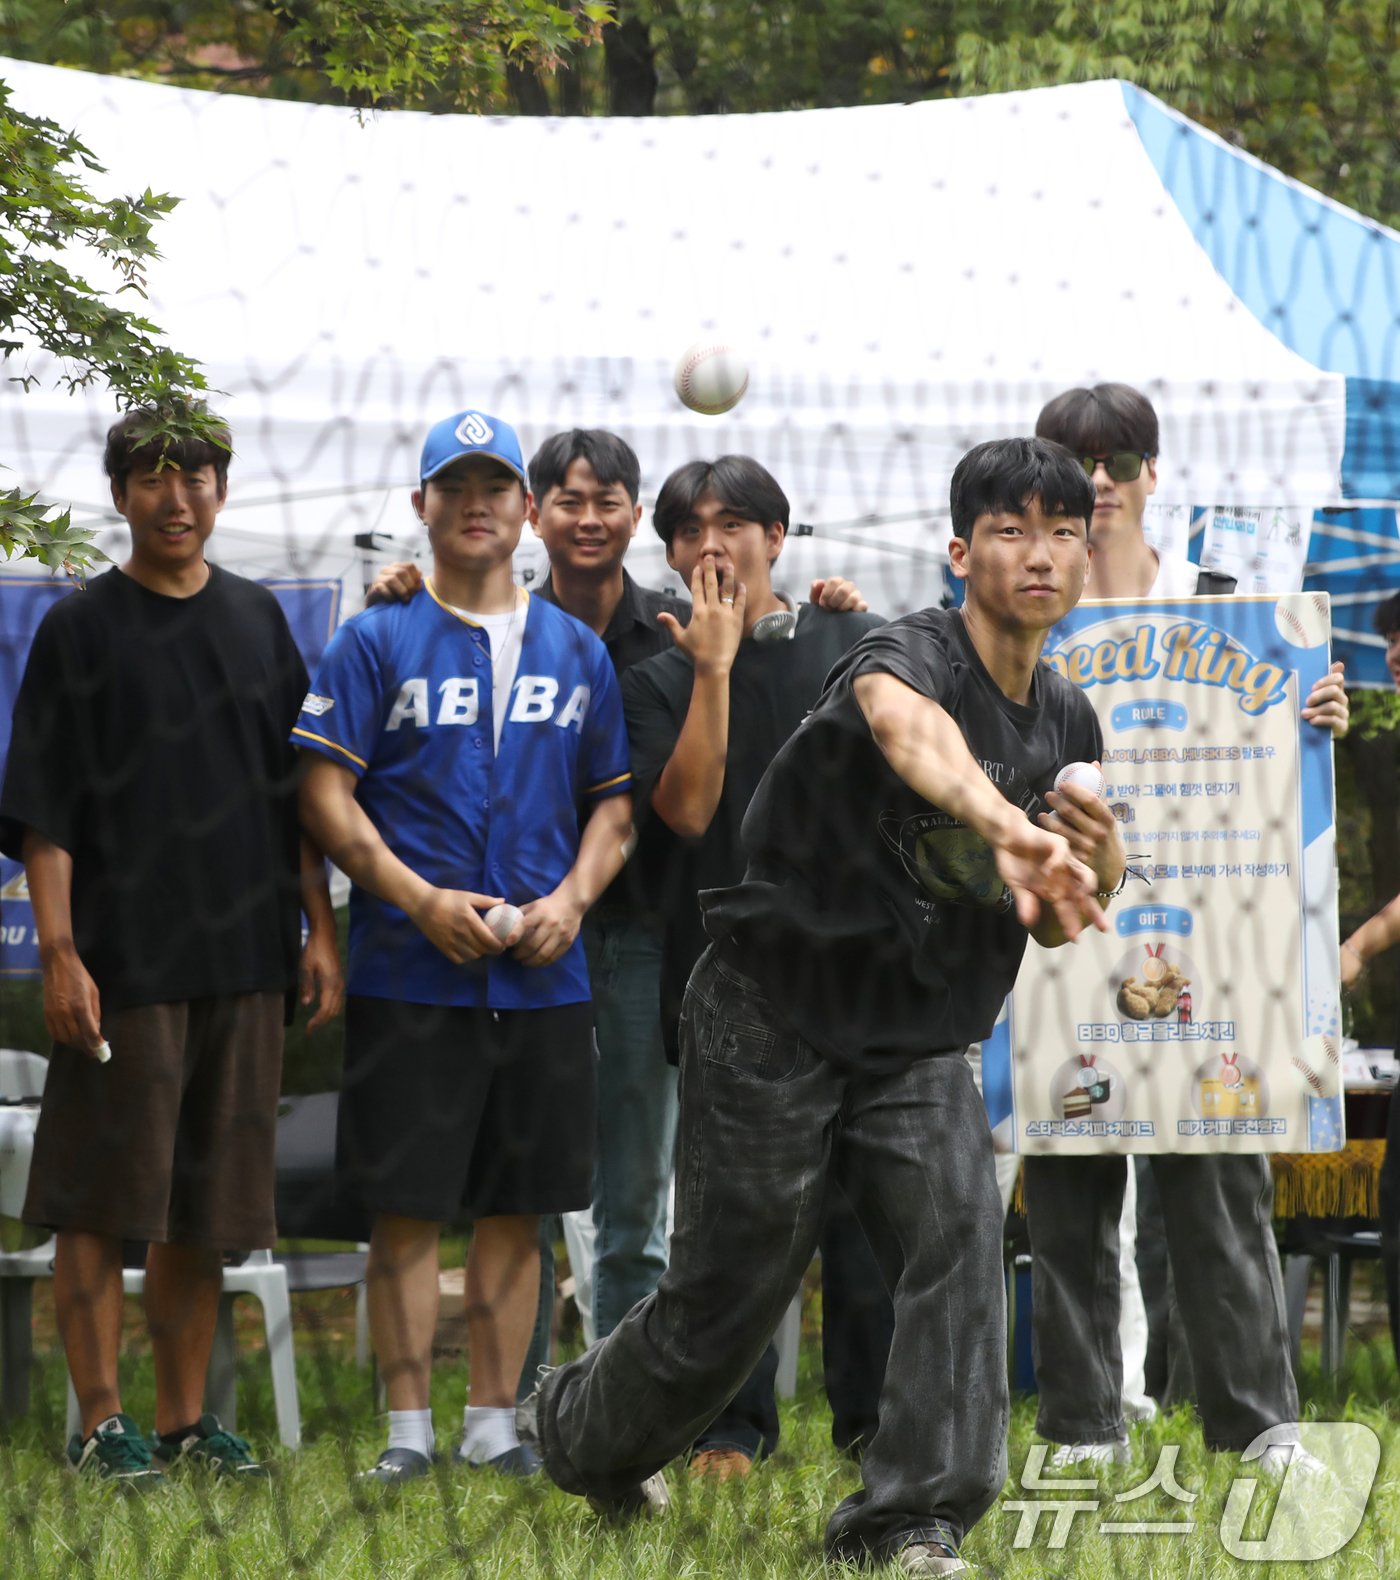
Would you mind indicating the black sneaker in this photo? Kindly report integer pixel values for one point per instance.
(117, 1452)
(211, 1448)
(520, 1461)
(397, 1465)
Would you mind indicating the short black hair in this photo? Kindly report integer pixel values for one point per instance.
(1101, 420)
(1003, 476)
(613, 461)
(129, 446)
(1387, 616)
(738, 482)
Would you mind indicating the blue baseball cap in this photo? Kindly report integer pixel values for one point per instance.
(470, 433)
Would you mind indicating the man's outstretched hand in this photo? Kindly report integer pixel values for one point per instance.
(1045, 877)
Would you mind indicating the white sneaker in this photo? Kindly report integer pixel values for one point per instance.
(1091, 1453)
(647, 1499)
(924, 1559)
(1277, 1457)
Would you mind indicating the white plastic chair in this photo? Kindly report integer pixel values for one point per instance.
(22, 1073)
(267, 1280)
(22, 1077)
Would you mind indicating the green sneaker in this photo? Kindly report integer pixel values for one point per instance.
(117, 1452)
(209, 1446)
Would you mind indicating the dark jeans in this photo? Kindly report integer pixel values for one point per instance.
(1390, 1219)
(636, 1114)
(857, 1326)
(1225, 1268)
(636, 1132)
(765, 1122)
(541, 1350)
(1167, 1366)
(857, 1329)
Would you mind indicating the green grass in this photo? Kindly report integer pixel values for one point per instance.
(312, 1520)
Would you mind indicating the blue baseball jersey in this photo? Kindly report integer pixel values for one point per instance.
(403, 698)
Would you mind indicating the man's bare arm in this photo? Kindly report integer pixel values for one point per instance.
(320, 979)
(552, 921)
(72, 1005)
(1375, 935)
(335, 820)
(924, 746)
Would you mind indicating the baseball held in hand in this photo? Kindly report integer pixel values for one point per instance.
(711, 377)
(1085, 775)
(501, 919)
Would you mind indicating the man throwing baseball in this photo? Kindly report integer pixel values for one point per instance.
(895, 867)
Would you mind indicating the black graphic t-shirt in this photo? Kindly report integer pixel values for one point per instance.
(772, 687)
(876, 923)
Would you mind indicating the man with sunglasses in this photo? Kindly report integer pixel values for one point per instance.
(1217, 1207)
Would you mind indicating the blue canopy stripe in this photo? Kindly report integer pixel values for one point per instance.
(1326, 282)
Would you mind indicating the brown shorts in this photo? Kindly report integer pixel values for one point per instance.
(172, 1140)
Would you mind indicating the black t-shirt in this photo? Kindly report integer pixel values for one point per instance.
(634, 634)
(772, 687)
(151, 742)
(876, 923)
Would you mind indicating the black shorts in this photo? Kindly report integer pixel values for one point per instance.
(450, 1114)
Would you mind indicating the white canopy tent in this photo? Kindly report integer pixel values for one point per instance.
(904, 281)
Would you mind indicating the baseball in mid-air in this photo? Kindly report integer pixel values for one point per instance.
(711, 377)
(1085, 775)
(501, 919)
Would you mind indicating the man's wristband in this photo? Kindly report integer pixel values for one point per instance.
(1109, 894)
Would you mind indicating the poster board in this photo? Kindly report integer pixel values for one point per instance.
(1208, 1017)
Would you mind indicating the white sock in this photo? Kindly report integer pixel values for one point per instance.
(487, 1432)
(412, 1429)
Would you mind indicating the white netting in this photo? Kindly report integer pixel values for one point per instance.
(903, 281)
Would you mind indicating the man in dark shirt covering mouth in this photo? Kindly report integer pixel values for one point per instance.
(898, 854)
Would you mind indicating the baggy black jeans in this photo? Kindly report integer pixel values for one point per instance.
(1218, 1209)
(857, 1328)
(765, 1122)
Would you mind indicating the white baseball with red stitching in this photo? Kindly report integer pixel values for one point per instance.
(501, 919)
(711, 377)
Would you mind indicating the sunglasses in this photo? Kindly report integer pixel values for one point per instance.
(1123, 466)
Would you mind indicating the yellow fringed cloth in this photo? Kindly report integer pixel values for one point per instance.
(1345, 1184)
